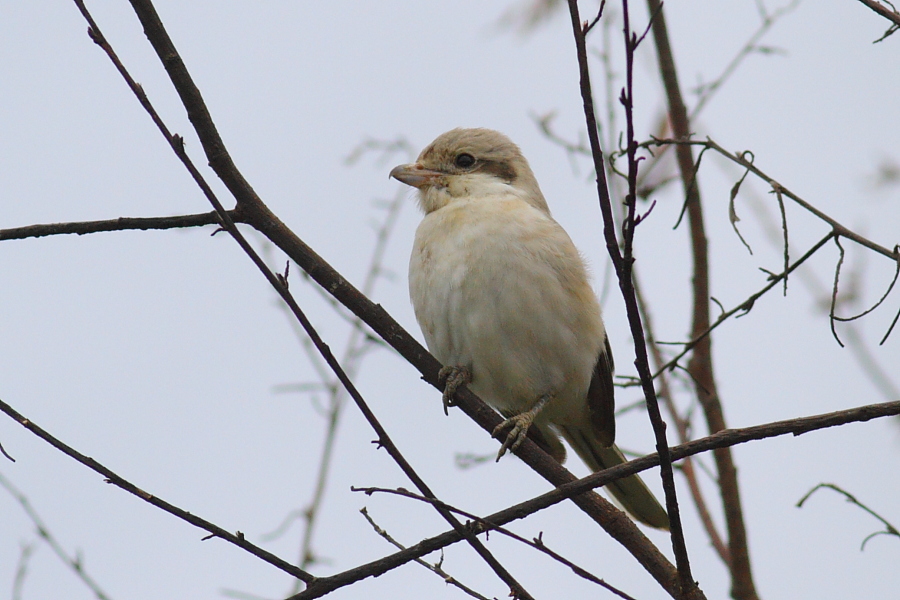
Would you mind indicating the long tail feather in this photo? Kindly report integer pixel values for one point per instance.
(631, 492)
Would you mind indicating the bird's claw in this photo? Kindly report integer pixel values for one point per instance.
(518, 433)
(451, 378)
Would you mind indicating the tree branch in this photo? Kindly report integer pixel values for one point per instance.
(236, 538)
(120, 224)
(701, 364)
(722, 439)
(891, 15)
(626, 284)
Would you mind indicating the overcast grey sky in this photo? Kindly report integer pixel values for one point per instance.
(158, 353)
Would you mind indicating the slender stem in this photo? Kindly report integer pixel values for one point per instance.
(884, 11)
(626, 283)
(701, 364)
(110, 477)
(687, 587)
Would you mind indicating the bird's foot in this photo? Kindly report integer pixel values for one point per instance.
(519, 424)
(452, 378)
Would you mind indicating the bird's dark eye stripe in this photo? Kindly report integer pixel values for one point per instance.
(499, 169)
(465, 160)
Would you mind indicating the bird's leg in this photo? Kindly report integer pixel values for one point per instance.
(452, 378)
(520, 424)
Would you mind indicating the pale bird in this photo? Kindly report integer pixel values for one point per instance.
(504, 302)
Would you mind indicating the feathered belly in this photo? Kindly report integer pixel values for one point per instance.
(487, 300)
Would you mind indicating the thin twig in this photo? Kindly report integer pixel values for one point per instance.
(73, 562)
(681, 429)
(110, 477)
(120, 224)
(749, 47)
(626, 284)
(21, 570)
(700, 365)
(743, 307)
(738, 159)
(352, 361)
(888, 528)
(537, 543)
(436, 568)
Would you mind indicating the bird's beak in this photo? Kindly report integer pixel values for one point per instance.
(415, 175)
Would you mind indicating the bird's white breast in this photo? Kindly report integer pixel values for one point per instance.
(498, 287)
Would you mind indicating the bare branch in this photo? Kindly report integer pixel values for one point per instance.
(22, 570)
(722, 439)
(700, 366)
(221, 162)
(110, 477)
(890, 14)
(778, 188)
(745, 306)
(681, 428)
(485, 525)
(260, 217)
(626, 284)
(436, 568)
(120, 224)
(74, 563)
(888, 528)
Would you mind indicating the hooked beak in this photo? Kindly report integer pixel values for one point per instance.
(415, 175)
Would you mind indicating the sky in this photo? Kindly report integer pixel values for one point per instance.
(167, 357)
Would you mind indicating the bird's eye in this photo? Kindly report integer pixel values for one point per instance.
(464, 161)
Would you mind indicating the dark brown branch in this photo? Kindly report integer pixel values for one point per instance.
(891, 15)
(626, 284)
(120, 224)
(737, 158)
(434, 568)
(235, 538)
(686, 587)
(486, 525)
(745, 306)
(681, 430)
(725, 438)
(722, 439)
(700, 366)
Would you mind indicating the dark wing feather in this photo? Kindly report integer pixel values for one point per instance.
(601, 399)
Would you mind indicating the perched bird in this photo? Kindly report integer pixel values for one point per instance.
(503, 300)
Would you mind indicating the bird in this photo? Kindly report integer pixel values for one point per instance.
(504, 302)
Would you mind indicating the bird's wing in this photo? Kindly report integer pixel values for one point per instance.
(601, 397)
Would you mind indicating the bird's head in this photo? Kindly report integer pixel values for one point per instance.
(470, 163)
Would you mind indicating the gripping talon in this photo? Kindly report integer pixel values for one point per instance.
(518, 433)
(452, 378)
(520, 424)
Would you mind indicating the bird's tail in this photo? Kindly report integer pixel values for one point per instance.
(631, 492)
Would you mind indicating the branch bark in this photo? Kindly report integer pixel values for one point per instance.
(701, 363)
(891, 15)
(722, 439)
